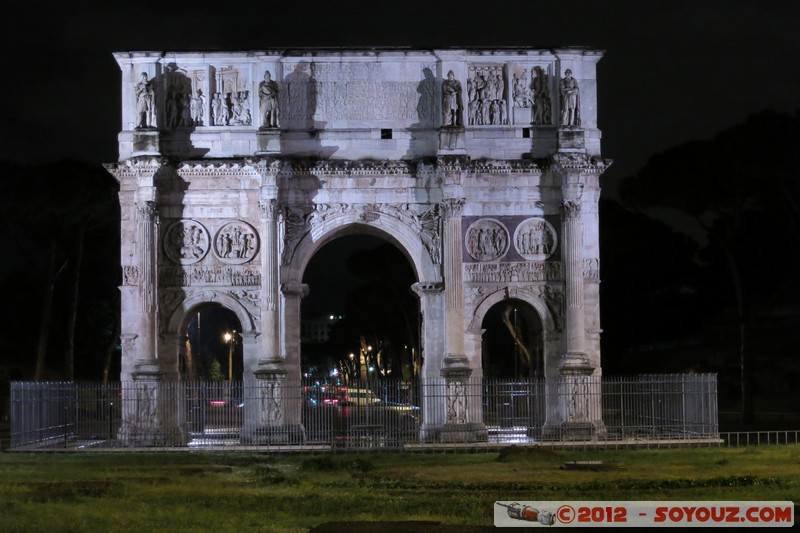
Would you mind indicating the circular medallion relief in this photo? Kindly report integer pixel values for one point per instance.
(186, 242)
(487, 239)
(236, 243)
(535, 239)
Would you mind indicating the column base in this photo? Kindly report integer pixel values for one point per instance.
(471, 432)
(133, 436)
(277, 435)
(574, 431)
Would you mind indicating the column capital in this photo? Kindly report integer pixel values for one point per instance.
(424, 288)
(295, 289)
(268, 208)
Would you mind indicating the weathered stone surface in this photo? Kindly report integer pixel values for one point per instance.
(236, 167)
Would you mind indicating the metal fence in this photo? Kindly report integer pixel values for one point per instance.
(376, 414)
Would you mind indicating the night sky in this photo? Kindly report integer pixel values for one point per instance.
(673, 70)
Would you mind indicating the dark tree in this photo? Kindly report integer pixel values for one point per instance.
(60, 224)
(741, 190)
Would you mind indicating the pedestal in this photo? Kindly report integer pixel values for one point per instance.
(268, 141)
(146, 142)
(452, 140)
(571, 140)
(580, 397)
(458, 427)
(142, 408)
(266, 417)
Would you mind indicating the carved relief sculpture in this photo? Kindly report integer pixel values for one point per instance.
(186, 242)
(487, 104)
(487, 240)
(535, 239)
(522, 95)
(236, 243)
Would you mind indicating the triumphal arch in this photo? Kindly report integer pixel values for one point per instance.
(481, 166)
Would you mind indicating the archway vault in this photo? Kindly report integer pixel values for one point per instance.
(195, 299)
(403, 236)
(509, 293)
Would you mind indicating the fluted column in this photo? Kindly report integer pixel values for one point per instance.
(454, 286)
(573, 276)
(147, 239)
(269, 278)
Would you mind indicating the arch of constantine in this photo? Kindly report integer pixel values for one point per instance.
(481, 166)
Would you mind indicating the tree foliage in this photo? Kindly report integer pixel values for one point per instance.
(60, 223)
(741, 189)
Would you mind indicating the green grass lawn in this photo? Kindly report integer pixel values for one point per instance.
(220, 492)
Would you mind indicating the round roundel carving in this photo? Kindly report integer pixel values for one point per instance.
(186, 242)
(535, 239)
(236, 243)
(487, 239)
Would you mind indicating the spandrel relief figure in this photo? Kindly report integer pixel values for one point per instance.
(570, 100)
(540, 84)
(145, 103)
(452, 103)
(268, 102)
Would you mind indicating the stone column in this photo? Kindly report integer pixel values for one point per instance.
(293, 293)
(578, 389)
(460, 418)
(453, 278)
(270, 294)
(432, 345)
(142, 417)
(573, 276)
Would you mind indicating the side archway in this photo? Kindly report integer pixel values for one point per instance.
(549, 331)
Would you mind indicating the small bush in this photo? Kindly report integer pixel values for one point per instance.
(270, 476)
(319, 464)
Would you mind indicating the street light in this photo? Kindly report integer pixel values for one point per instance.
(231, 340)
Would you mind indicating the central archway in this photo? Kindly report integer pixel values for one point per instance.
(359, 302)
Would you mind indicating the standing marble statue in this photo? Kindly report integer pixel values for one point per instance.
(570, 100)
(452, 106)
(268, 102)
(145, 103)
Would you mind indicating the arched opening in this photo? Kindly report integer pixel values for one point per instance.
(360, 321)
(512, 353)
(512, 342)
(212, 345)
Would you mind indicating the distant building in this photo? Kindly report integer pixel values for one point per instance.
(317, 330)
